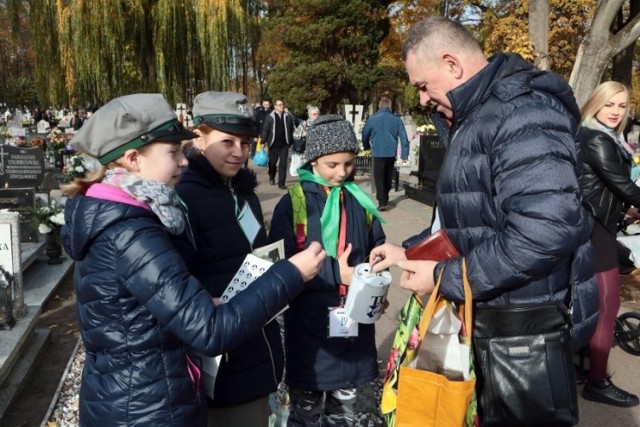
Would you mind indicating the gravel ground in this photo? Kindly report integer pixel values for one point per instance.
(65, 410)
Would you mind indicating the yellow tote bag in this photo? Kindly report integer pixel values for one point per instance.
(427, 398)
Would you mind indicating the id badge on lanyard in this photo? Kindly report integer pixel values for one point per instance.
(340, 324)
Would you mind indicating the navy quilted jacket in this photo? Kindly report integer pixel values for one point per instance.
(509, 191)
(254, 369)
(139, 310)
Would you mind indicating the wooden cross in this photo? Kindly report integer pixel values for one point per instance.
(353, 113)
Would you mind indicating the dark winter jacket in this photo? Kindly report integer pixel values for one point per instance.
(509, 191)
(139, 310)
(313, 361)
(267, 132)
(254, 369)
(607, 185)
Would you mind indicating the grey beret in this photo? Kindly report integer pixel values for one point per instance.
(127, 122)
(228, 112)
(330, 134)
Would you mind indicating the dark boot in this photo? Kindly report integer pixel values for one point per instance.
(604, 391)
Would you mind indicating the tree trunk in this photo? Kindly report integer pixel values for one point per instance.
(623, 62)
(599, 46)
(539, 32)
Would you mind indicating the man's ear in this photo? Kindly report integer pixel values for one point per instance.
(129, 160)
(453, 65)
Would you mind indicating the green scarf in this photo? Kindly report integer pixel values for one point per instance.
(330, 220)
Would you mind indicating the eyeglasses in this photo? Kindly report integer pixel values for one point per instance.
(279, 104)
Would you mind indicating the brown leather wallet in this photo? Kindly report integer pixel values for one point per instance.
(436, 247)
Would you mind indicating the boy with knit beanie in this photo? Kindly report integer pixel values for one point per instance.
(325, 364)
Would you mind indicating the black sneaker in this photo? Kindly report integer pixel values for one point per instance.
(604, 391)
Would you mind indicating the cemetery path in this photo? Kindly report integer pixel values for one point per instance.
(59, 316)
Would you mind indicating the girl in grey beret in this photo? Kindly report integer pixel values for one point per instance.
(139, 309)
(227, 223)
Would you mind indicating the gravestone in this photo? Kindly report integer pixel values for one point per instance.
(21, 171)
(23, 202)
(353, 114)
(10, 258)
(430, 157)
(15, 120)
(43, 126)
(21, 166)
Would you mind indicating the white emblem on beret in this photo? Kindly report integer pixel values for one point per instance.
(243, 109)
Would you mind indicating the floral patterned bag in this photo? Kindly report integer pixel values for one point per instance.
(404, 352)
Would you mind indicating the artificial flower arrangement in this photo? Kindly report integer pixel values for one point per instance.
(57, 140)
(75, 168)
(49, 219)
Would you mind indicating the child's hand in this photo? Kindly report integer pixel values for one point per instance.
(309, 261)
(345, 271)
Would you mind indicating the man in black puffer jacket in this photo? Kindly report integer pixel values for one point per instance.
(509, 187)
(508, 193)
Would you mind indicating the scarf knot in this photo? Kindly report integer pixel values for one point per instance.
(330, 219)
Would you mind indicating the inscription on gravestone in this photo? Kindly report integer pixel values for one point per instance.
(22, 201)
(21, 167)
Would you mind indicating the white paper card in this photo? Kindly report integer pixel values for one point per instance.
(252, 267)
(248, 222)
(340, 324)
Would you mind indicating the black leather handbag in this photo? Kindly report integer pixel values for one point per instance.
(524, 365)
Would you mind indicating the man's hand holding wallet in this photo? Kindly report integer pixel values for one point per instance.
(417, 261)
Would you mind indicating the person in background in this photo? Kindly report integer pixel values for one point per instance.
(139, 309)
(381, 134)
(508, 193)
(227, 224)
(259, 114)
(322, 369)
(300, 133)
(608, 192)
(76, 121)
(277, 136)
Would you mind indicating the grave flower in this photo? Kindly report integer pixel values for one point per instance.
(75, 168)
(49, 220)
(57, 140)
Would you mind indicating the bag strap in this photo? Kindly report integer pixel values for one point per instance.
(299, 207)
(435, 298)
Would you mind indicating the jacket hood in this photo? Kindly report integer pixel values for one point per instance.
(507, 76)
(87, 217)
(200, 169)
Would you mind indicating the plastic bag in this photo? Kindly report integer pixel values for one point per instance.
(261, 158)
(296, 162)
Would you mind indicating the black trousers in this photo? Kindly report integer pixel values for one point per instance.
(278, 158)
(383, 168)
